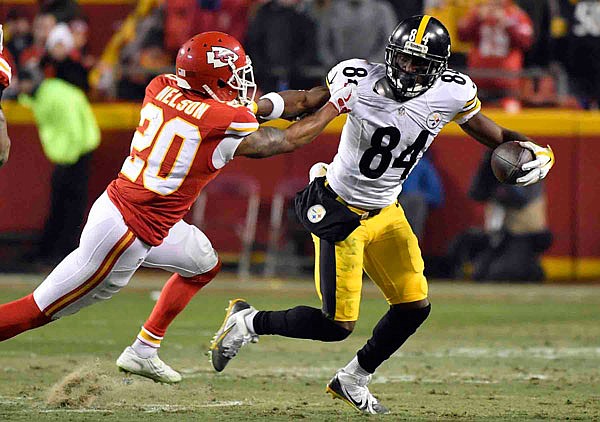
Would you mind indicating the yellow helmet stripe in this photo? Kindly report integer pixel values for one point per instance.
(421, 30)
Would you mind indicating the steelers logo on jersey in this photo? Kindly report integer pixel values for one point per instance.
(316, 213)
(434, 119)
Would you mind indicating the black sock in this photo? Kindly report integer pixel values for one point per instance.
(389, 334)
(299, 322)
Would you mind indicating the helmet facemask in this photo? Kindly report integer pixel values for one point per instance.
(242, 80)
(410, 84)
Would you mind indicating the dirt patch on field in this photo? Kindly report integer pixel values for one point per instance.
(80, 388)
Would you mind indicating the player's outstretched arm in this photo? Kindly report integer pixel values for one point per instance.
(290, 104)
(269, 141)
(5, 74)
(489, 133)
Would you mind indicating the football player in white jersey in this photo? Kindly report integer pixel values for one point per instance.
(403, 104)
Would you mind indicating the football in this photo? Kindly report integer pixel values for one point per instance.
(507, 160)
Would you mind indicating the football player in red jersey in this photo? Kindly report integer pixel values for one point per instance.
(191, 125)
(5, 75)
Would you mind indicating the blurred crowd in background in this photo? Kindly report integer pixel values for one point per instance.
(520, 52)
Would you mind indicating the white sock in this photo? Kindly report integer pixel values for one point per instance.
(354, 367)
(249, 319)
(143, 350)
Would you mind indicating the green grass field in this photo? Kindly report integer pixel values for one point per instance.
(493, 352)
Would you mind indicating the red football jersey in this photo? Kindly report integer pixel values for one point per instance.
(181, 143)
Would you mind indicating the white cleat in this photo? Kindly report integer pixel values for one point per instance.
(352, 389)
(232, 335)
(153, 368)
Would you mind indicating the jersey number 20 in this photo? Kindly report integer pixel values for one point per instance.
(160, 175)
(406, 160)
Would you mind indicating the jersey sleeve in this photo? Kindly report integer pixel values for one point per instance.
(467, 102)
(243, 124)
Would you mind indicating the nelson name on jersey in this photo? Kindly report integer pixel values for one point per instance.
(383, 138)
(171, 96)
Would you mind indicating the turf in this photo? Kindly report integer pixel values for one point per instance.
(493, 352)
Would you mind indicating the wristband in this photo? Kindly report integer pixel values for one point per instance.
(278, 105)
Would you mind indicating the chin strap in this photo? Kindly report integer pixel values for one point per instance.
(211, 93)
(384, 88)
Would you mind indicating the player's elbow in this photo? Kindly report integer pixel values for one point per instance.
(296, 143)
(289, 146)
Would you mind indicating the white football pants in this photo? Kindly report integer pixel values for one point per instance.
(108, 255)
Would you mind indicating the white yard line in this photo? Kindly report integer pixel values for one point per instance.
(155, 408)
(70, 411)
(549, 353)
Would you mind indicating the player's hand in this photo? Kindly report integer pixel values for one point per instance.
(344, 98)
(539, 167)
(5, 70)
(252, 106)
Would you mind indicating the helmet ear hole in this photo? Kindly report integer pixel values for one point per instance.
(221, 83)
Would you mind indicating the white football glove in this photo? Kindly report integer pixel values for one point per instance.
(317, 170)
(344, 98)
(539, 167)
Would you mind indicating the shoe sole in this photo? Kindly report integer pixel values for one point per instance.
(214, 345)
(336, 395)
(128, 372)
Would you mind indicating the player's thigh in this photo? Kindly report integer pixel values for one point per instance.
(107, 256)
(338, 275)
(186, 251)
(393, 258)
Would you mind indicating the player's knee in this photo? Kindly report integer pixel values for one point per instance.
(348, 325)
(334, 330)
(409, 319)
(206, 277)
(110, 286)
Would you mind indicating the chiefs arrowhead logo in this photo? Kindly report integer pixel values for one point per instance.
(219, 56)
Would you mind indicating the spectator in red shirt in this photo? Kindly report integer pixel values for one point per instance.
(501, 33)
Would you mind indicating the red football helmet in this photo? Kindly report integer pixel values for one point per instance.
(216, 64)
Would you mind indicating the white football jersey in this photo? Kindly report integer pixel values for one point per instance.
(383, 139)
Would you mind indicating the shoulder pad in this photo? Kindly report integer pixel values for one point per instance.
(464, 92)
(159, 82)
(346, 71)
(460, 86)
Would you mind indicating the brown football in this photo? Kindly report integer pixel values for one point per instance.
(507, 160)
